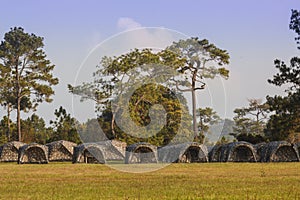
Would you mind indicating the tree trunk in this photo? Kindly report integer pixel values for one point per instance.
(8, 122)
(19, 119)
(18, 97)
(195, 127)
(113, 125)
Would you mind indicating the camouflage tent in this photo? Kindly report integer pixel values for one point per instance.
(120, 146)
(9, 152)
(215, 154)
(99, 152)
(259, 150)
(279, 151)
(297, 146)
(240, 152)
(61, 150)
(141, 153)
(33, 153)
(233, 152)
(189, 152)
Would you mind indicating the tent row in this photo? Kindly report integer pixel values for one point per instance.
(277, 151)
(61, 151)
(112, 150)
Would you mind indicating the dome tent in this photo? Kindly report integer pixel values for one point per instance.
(9, 152)
(141, 153)
(279, 151)
(33, 153)
(240, 152)
(99, 152)
(233, 152)
(189, 152)
(60, 150)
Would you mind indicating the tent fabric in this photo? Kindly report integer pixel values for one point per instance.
(60, 150)
(9, 152)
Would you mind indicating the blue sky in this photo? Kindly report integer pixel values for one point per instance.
(254, 33)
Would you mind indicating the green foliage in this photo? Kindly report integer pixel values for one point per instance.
(285, 123)
(160, 130)
(192, 57)
(288, 74)
(295, 24)
(12, 136)
(25, 71)
(250, 121)
(64, 127)
(34, 130)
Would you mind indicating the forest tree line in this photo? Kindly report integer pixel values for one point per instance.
(27, 80)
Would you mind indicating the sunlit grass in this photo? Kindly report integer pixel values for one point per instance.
(176, 181)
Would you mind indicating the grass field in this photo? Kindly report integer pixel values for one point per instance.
(177, 181)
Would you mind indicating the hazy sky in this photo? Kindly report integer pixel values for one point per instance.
(254, 33)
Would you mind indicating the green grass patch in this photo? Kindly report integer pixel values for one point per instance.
(176, 181)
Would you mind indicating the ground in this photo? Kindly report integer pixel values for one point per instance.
(176, 181)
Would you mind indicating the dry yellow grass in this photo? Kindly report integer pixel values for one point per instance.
(177, 181)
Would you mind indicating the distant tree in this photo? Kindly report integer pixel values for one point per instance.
(13, 129)
(34, 129)
(24, 61)
(203, 61)
(7, 99)
(250, 121)
(285, 123)
(92, 130)
(207, 117)
(64, 127)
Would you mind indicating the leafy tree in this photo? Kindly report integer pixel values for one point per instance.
(285, 123)
(250, 121)
(133, 67)
(207, 117)
(23, 59)
(203, 60)
(193, 58)
(64, 127)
